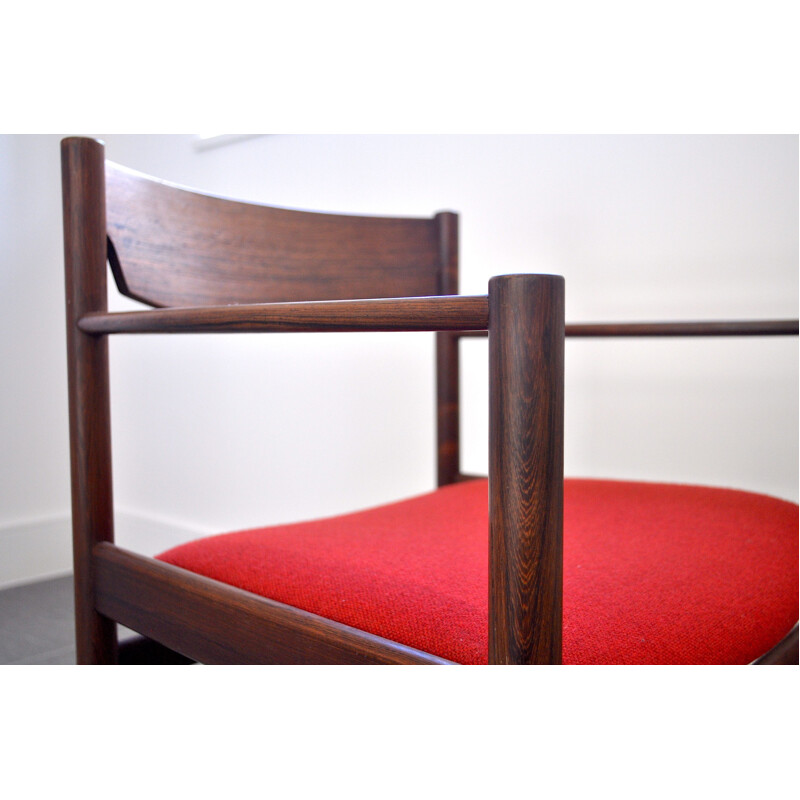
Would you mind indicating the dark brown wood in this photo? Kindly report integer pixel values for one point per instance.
(89, 410)
(755, 327)
(214, 623)
(714, 328)
(787, 651)
(400, 314)
(526, 472)
(448, 438)
(221, 251)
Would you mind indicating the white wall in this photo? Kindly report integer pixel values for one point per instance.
(259, 429)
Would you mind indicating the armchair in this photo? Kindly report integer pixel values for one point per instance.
(522, 568)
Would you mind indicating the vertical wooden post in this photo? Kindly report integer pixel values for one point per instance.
(83, 187)
(448, 460)
(526, 472)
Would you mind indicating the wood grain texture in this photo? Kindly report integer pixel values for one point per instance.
(214, 623)
(526, 458)
(220, 251)
(408, 314)
(448, 442)
(88, 381)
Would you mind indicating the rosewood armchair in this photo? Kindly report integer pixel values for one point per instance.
(520, 568)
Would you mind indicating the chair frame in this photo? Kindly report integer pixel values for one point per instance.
(203, 620)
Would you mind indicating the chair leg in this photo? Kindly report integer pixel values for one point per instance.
(448, 459)
(83, 185)
(526, 472)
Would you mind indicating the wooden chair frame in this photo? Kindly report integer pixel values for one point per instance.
(204, 620)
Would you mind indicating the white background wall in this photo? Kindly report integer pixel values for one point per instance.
(220, 432)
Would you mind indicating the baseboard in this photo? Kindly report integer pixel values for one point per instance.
(35, 550)
(40, 549)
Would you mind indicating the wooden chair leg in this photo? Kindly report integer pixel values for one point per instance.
(83, 182)
(448, 459)
(526, 455)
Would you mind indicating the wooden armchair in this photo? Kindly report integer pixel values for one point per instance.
(529, 569)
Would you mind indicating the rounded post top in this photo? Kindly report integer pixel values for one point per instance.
(525, 277)
(85, 143)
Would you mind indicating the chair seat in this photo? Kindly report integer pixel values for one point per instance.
(653, 573)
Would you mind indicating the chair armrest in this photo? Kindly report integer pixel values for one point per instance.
(780, 327)
(756, 327)
(446, 313)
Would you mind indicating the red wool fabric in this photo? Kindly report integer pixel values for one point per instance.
(653, 573)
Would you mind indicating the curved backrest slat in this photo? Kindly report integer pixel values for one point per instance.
(172, 246)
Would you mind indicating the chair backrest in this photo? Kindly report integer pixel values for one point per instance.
(170, 246)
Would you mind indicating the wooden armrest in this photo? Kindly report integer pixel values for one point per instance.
(395, 314)
(780, 327)
(759, 327)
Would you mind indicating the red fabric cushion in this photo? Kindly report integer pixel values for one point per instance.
(653, 573)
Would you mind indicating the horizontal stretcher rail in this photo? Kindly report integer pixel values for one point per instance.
(768, 327)
(394, 314)
(161, 601)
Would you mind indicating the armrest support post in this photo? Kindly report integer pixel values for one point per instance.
(526, 468)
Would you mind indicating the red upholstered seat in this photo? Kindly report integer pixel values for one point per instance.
(653, 573)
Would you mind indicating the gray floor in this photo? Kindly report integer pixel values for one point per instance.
(36, 623)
